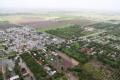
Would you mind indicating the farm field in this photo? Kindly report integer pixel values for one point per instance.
(71, 32)
(45, 22)
(95, 70)
(98, 70)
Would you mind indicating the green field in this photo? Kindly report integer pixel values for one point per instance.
(1, 76)
(44, 29)
(100, 72)
(37, 69)
(1, 46)
(70, 32)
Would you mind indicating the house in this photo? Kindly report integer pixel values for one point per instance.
(16, 77)
(49, 70)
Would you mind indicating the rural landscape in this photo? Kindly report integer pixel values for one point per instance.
(59, 47)
(59, 40)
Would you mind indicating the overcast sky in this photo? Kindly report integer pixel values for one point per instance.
(113, 5)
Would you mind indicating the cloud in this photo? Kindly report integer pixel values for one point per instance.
(62, 4)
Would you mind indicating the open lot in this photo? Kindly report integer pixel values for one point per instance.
(63, 62)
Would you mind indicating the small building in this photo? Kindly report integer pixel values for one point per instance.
(16, 77)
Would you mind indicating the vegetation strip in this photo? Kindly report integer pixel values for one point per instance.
(37, 69)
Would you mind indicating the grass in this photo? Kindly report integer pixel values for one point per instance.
(2, 19)
(70, 32)
(16, 18)
(76, 55)
(9, 55)
(67, 32)
(51, 28)
(37, 69)
(1, 46)
(1, 76)
(96, 72)
(73, 51)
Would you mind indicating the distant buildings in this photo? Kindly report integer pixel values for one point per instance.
(24, 38)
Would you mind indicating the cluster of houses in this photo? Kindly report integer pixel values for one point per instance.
(20, 39)
(100, 37)
(43, 56)
(24, 38)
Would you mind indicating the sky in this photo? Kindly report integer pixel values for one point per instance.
(112, 5)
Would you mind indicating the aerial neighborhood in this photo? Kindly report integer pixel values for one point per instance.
(30, 55)
(59, 39)
(23, 39)
(61, 47)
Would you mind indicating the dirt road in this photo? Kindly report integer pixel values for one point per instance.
(67, 58)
